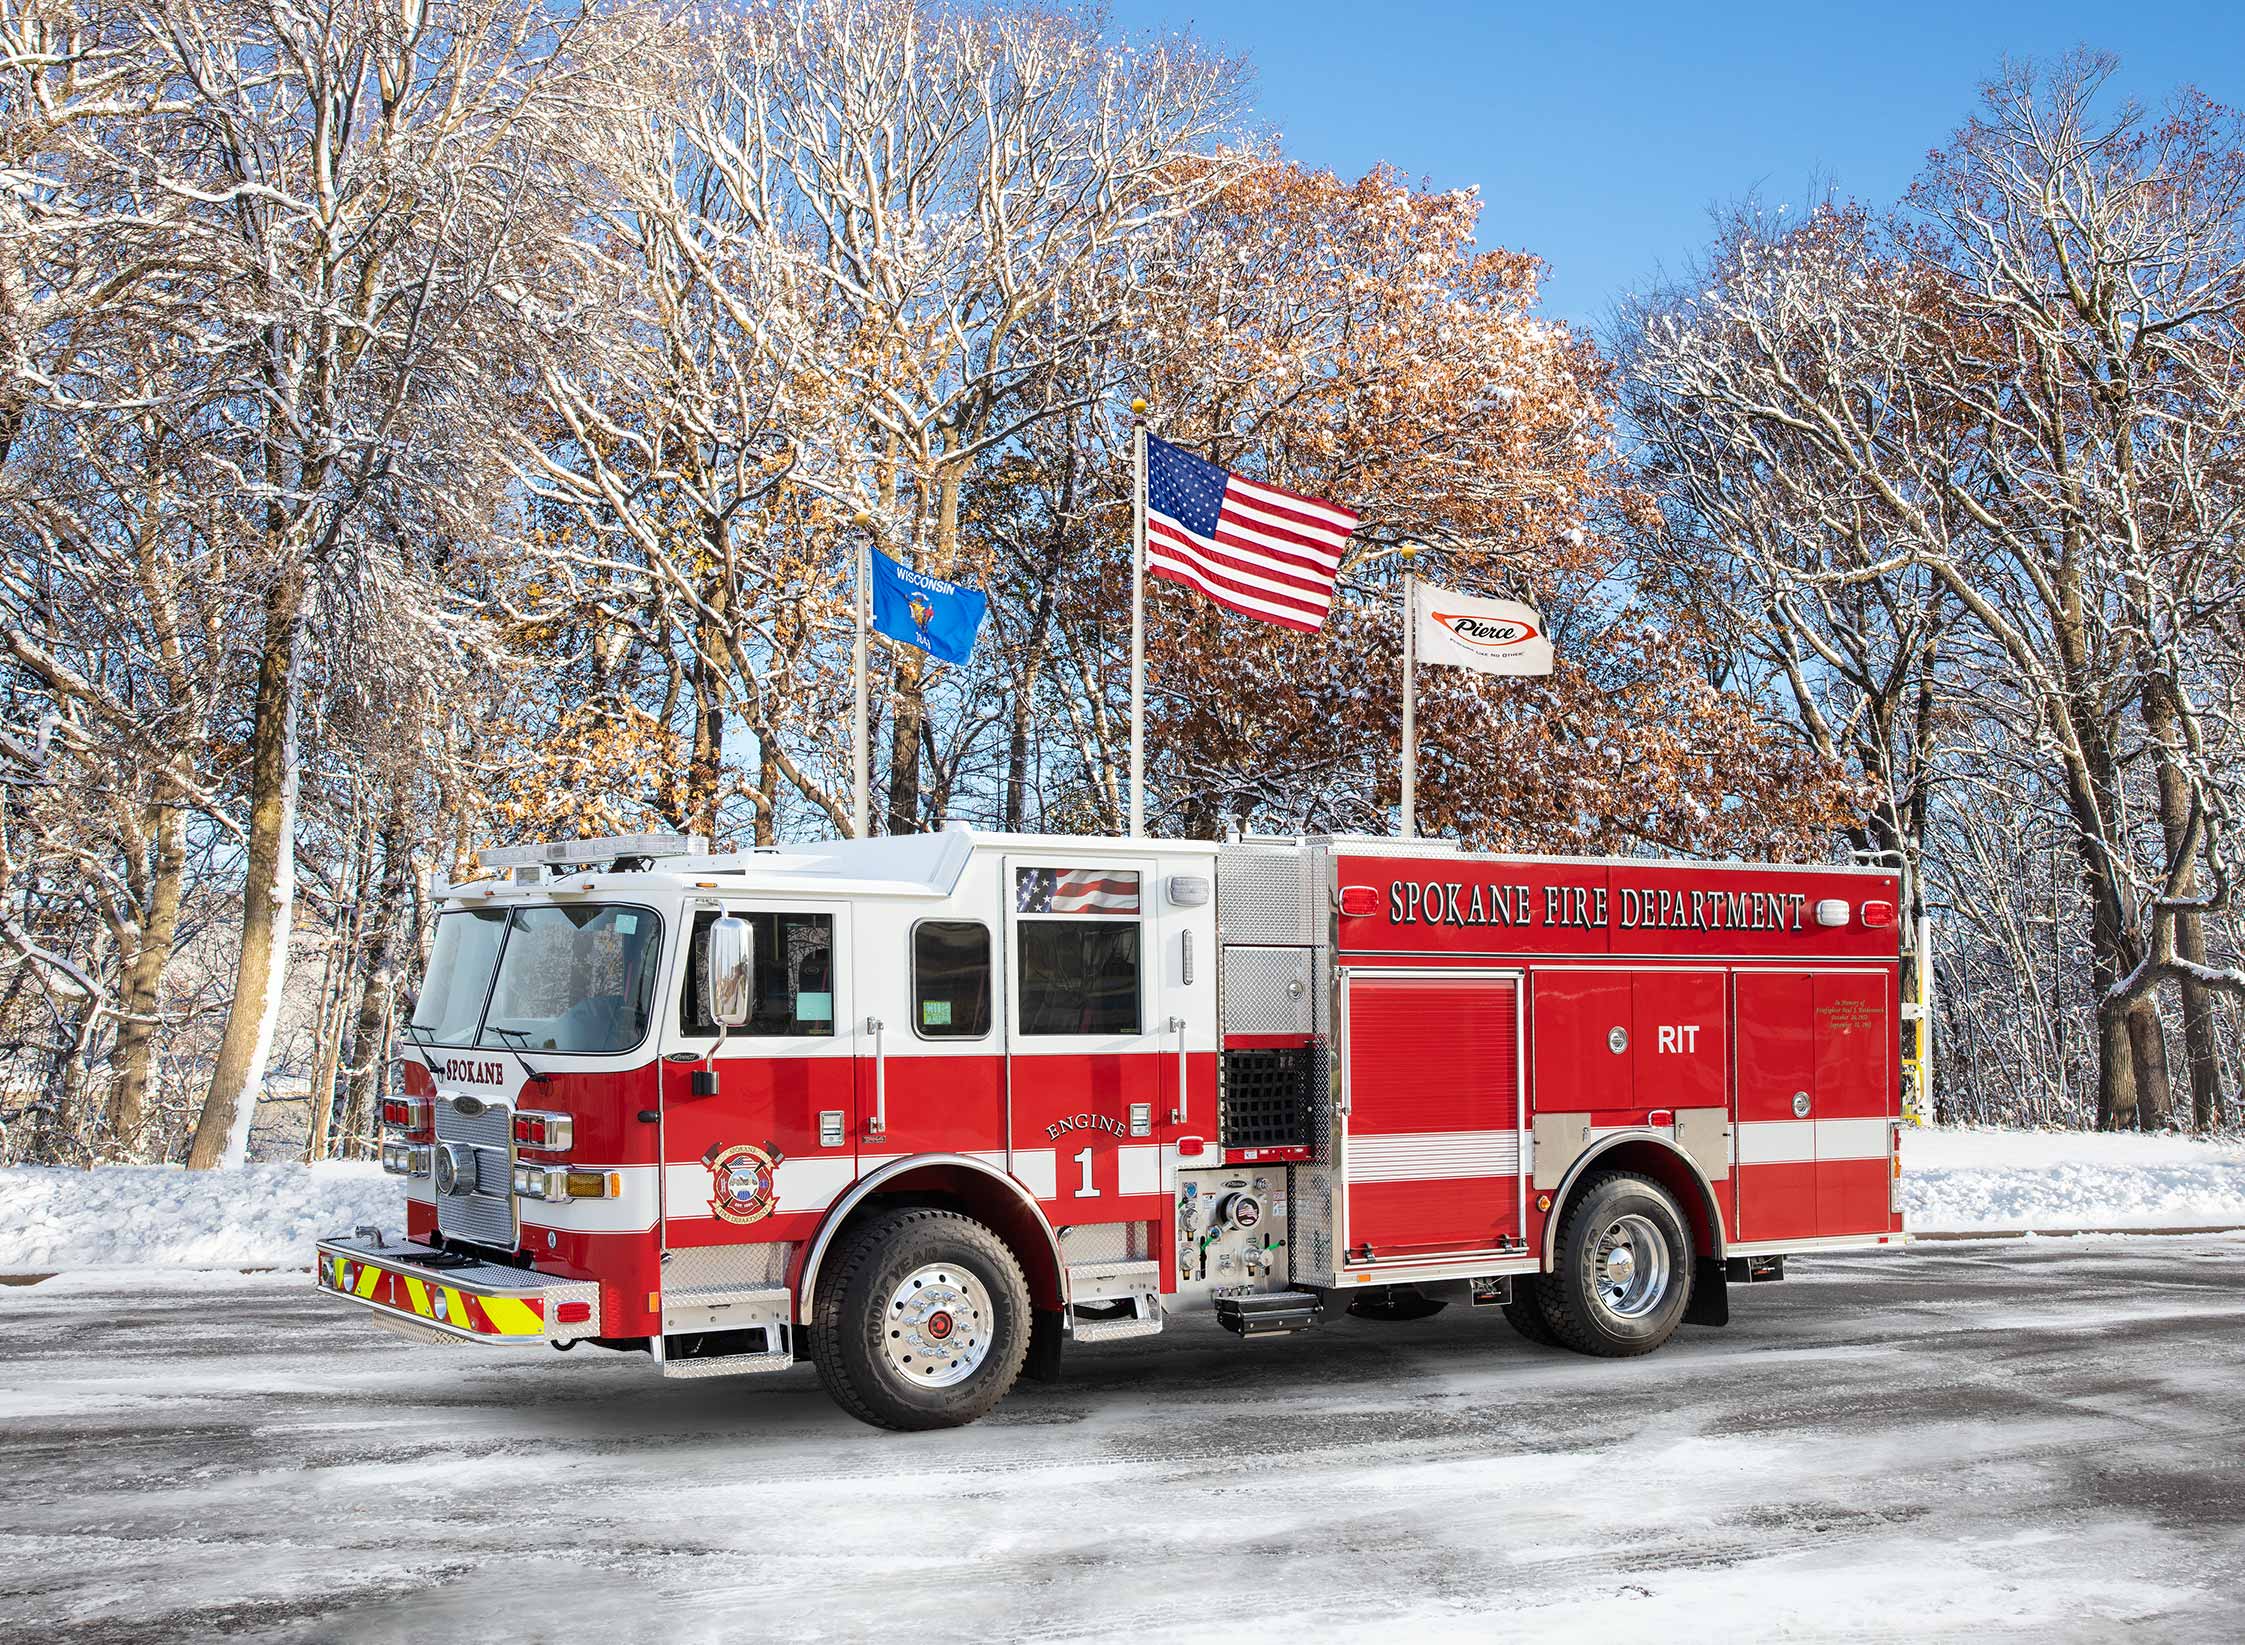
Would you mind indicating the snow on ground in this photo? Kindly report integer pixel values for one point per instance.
(1956, 1180)
(121, 1216)
(268, 1215)
(2014, 1443)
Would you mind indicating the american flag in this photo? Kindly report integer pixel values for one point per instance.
(1074, 891)
(1251, 548)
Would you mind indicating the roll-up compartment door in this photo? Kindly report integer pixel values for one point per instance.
(1433, 1127)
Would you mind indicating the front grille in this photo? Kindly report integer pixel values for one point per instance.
(486, 1216)
(1266, 1098)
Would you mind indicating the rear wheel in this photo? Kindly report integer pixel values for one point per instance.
(1395, 1302)
(924, 1323)
(1623, 1274)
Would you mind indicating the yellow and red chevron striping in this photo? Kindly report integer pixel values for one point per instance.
(429, 1299)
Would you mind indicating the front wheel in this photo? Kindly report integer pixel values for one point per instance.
(925, 1322)
(1623, 1273)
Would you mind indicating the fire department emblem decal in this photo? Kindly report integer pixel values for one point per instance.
(744, 1183)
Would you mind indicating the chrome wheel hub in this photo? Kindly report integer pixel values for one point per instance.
(936, 1328)
(1630, 1267)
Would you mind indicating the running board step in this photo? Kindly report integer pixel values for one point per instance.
(1134, 1286)
(727, 1365)
(693, 1313)
(1269, 1313)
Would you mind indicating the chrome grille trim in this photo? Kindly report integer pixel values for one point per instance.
(487, 1216)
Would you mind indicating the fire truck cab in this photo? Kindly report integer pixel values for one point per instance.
(924, 1109)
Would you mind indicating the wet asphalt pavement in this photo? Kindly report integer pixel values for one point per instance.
(2033, 1441)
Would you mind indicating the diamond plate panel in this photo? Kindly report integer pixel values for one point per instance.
(1088, 1242)
(1268, 990)
(1315, 1235)
(703, 1267)
(1269, 893)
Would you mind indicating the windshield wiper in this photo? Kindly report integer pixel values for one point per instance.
(523, 1035)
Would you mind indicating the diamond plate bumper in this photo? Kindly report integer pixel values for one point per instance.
(426, 1291)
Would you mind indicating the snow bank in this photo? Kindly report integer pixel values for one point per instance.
(260, 1216)
(1957, 1180)
(266, 1216)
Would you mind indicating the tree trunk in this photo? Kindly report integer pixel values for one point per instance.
(327, 1049)
(2116, 1080)
(268, 888)
(378, 971)
(135, 1054)
(906, 710)
(2147, 1046)
(705, 770)
(2200, 1045)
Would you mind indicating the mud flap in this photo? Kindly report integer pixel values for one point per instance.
(1711, 1301)
(1045, 1338)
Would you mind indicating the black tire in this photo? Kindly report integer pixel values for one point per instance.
(1524, 1313)
(856, 1319)
(1581, 1317)
(1396, 1303)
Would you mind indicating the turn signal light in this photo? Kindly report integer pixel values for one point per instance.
(1359, 901)
(405, 1159)
(548, 1133)
(407, 1114)
(572, 1313)
(558, 1182)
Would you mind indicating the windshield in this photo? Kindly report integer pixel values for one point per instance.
(460, 967)
(578, 978)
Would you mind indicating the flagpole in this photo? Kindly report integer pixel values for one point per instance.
(1137, 618)
(1410, 553)
(860, 795)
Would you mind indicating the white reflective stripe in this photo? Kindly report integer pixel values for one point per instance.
(1798, 1142)
(631, 1212)
(1421, 1155)
(1777, 1142)
(812, 1182)
(1851, 1139)
(1141, 1169)
(1038, 1170)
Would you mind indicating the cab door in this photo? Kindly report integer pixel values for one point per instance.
(759, 1158)
(1092, 1059)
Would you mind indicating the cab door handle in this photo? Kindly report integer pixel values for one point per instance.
(880, 1125)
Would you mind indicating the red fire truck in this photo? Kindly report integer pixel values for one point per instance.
(924, 1109)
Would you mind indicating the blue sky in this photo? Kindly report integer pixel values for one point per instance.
(1600, 136)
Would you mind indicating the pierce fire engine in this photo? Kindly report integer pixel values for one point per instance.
(925, 1109)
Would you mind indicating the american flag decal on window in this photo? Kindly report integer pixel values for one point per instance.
(1074, 891)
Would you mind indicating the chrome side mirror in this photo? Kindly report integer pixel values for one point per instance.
(732, 972)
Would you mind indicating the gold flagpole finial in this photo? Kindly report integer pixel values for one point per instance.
(1138, 408)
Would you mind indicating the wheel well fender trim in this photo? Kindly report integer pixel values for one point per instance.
(1580, 1170)
(873, 1181)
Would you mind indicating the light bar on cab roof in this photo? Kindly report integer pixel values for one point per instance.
(601, 850)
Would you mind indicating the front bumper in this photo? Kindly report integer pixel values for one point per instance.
(429, 1295)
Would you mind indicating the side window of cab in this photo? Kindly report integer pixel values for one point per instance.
(794, 976)
(1079, 931)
